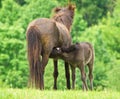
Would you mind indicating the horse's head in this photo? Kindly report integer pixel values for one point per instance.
(69, 10)
(64, 15)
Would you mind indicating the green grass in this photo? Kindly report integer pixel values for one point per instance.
(51, 94)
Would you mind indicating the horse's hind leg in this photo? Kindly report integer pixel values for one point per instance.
(90, 66)
(55, 73)
(45, 58)
(67, 73)
(73, 77)
(83, 76)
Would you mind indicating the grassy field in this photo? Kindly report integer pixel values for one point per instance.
(36, 94)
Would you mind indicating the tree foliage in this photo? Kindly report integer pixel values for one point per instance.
(94, 10)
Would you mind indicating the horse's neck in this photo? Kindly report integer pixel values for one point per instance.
(65, 20)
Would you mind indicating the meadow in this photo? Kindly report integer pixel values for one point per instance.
(60, 94)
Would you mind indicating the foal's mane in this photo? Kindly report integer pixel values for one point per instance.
(65, 18)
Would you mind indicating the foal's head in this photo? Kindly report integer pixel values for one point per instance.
(60, 51)
(64, 15)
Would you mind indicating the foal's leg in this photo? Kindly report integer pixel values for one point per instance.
(55, 73)
(73, 76)
(90, 66)
(83, 76)
(67, 73)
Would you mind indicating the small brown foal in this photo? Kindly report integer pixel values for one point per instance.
(78, 55)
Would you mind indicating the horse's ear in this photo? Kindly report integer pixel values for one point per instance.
(71, 7)
(57, 9)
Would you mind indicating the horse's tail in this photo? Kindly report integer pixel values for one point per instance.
(34, 52)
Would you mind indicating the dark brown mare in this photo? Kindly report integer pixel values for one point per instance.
(79, 54)
(43, 35)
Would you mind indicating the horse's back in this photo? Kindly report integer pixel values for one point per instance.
(86, 46)
(88, 51)
(52, 30)
(44, 25)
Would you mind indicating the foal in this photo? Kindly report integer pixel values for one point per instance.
(78, 55)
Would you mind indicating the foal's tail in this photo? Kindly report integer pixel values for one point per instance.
(91, 56)
(92, 52)
(34, 52)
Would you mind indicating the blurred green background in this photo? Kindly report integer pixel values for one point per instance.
(95, 21)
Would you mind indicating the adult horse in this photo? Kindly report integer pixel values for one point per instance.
(43, 35)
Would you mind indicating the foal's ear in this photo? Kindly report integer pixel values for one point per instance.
(57, 9)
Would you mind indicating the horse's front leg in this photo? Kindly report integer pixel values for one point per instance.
(67, 74)
(55, 73)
